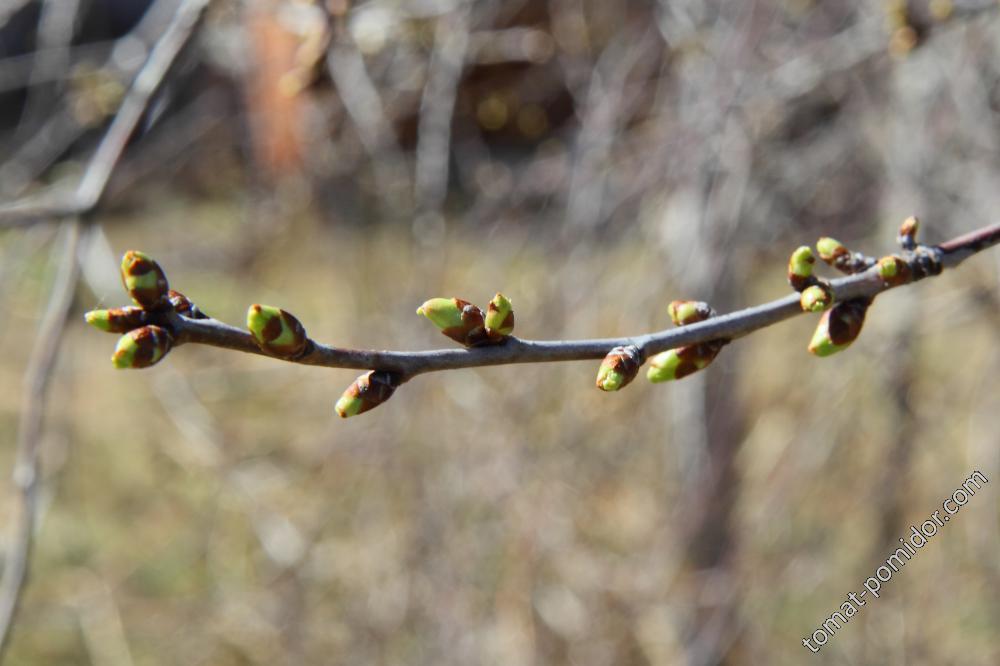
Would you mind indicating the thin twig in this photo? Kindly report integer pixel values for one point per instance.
(95, 179)
(409, 364)
(26, 465)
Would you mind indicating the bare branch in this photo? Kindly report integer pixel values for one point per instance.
(26, 466)
(95, 179)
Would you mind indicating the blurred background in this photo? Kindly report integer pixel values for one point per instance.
(593, 160)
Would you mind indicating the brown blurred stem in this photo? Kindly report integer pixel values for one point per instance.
(95, 178)
(29, 432)
(514, 350)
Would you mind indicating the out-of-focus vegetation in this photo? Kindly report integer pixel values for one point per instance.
(592, 160)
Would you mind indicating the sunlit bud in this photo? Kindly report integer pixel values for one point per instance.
(831, 249)
(839, 327)
(117, 320)
(618, 368)
(184, 306)
(142, 347)
(689, 312)
(367, 392)
(815, 298)
(460, 320)
(894, 270)
(144, 280)
(499, 317)
(907, 237)
(800, 268)
(276, 331)
(681, 362)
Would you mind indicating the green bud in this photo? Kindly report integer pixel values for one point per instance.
(618, 368)
(499, 317)
(460, 320)
(689, 312)
(367, 392)
(894, 270)
(144, 280)
(117, 320)
(800, 268)
(816, 298)
(142, 347)
(830, 249)
(839, 327)
(681, 362)
(276, 331)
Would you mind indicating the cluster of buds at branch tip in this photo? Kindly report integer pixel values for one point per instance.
(142, 347)
(277, 332)
(117, 320)
(894, 270)
(499, 318)
(618, 368)
(366, 392)
(683, 361)
(816, 297)
(839, 327)
(144, 281)
(836, 254)
(800, 268)
(907, 237)
(460, 320)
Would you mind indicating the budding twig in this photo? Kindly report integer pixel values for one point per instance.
(407, 364)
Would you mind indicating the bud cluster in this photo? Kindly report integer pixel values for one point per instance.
(466, 324)
(143, 343)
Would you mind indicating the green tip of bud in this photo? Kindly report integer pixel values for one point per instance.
(499, 317)
(348, 405)
(144, 280)
(275, 331)
(830, 248)
(367, 392)
(683, 313)
(141, 347)
(801, 262)
(815, 299)
(618, 368)
(98, 319)
(893, 270)
(460, 320)
(442, 312)
(117, 320)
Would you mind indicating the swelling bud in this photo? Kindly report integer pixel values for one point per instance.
(142, 347)
(367, 392)
(276, 332)
(144, 281)
(618, 368)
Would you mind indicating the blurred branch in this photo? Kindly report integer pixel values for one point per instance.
(26, 465)
(405, 365)
(451, 40)
(95, 178)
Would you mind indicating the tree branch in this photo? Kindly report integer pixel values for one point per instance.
(405, 365)
(54, 205)
(26, 465)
